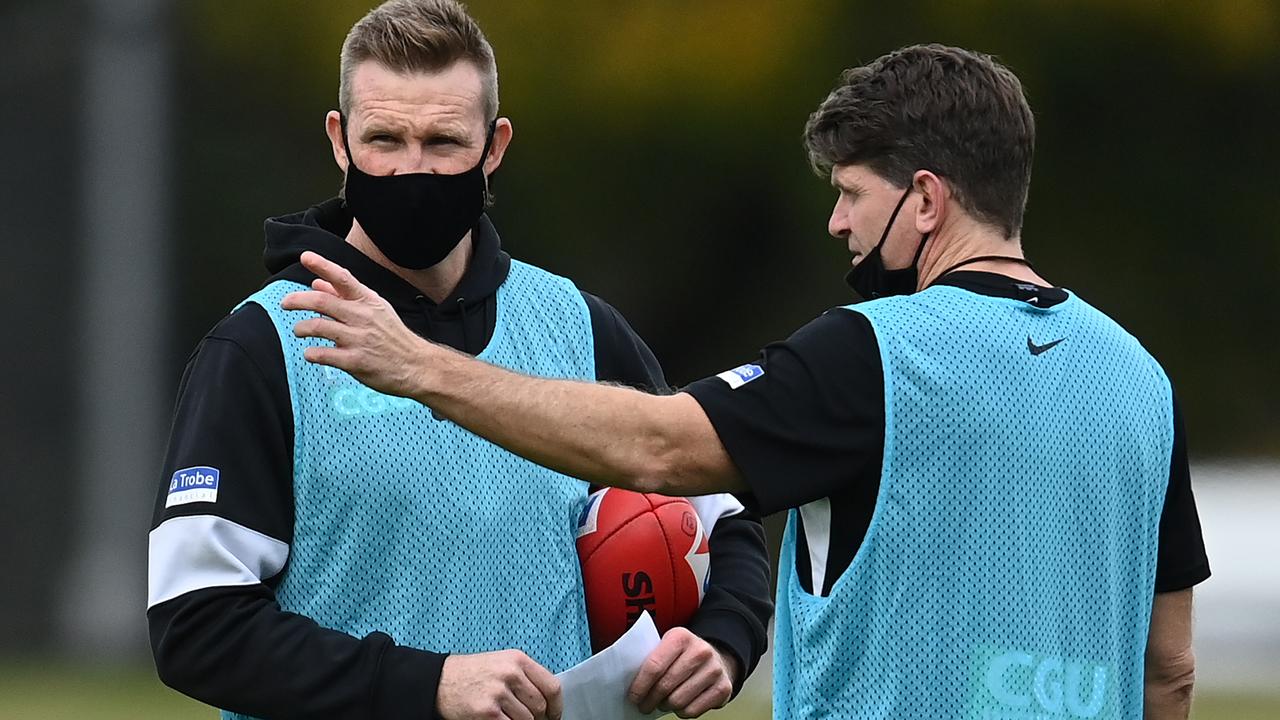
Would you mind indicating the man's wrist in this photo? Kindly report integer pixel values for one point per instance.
(731, 666)
(427, 365)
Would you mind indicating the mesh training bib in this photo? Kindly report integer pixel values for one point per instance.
(1008, 570)
(417, 528)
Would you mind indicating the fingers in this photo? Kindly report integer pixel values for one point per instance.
(548, 686)
(655, 667)
(684, 674)
(319, 302)
(528, 699)
(323, 328)
(506, 684)
(324, 286)
(333, 357)
(709, 687)
(680, 672)
(710, 699)
(514, 708)
(341, 279)
(536, 689)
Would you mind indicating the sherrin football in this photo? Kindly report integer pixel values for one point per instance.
(640, 552)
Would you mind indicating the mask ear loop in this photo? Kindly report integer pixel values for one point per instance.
(484, 155)
(488, 140)
(346, 140)
(924, 238)
(898, 208)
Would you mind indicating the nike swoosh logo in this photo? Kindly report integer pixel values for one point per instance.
(1037, 349)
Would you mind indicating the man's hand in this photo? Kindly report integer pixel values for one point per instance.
(499, 685)
(370, 341)
(684, 675)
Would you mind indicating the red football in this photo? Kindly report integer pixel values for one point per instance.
(640, 552)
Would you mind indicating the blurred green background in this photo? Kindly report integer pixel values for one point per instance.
(657, 161)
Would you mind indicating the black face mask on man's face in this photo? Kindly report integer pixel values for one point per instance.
(871, 279)
(416, 219)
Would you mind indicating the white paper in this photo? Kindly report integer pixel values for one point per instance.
(596, 688)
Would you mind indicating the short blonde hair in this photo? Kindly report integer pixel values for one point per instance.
(418, 36)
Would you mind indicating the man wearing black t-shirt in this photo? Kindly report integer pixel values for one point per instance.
(992, 513)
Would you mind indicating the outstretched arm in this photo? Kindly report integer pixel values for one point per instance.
(604, 434)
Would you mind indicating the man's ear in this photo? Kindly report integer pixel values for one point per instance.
(502, 132)
(333, 128)
(935, 200)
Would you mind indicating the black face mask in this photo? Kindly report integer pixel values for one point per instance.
(417, 219)
(871, 279)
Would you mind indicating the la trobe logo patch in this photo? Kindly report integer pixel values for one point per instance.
(741, 375)
(193, 484)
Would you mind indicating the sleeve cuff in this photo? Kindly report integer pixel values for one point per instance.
(407, 683)
(1188, 578)
(758, 498)
(724, 630)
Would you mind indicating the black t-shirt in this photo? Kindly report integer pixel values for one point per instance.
(809, 424)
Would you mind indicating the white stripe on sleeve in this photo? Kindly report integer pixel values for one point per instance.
(711, 508)
(201, 551)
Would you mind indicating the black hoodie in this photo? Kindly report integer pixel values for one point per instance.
(224, 640)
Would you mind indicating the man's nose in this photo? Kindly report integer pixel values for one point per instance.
(837, 224)
(414, 160)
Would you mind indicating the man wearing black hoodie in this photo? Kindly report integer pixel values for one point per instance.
(319, 549)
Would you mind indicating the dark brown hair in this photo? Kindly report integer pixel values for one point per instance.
(418, 36)
(955, 112)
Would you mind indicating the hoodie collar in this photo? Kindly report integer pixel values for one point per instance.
(323, 229)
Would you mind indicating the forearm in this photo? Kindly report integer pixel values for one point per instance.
(1170, 662)
(1167, 695)
(605, 434)
(235, 649)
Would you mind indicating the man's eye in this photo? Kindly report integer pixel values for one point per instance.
(442, 140)
(382, 139)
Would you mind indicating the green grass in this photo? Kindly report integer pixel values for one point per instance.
(61, 693)
(43, 692)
